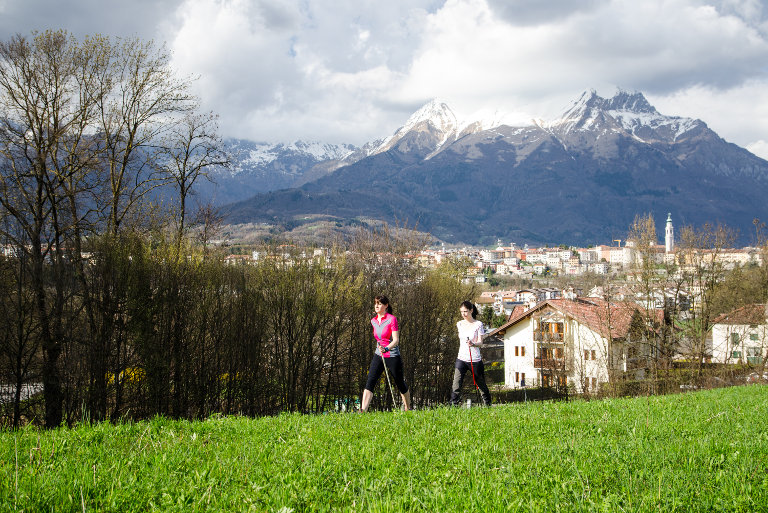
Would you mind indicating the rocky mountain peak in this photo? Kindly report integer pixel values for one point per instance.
(429, 128)
(627, 113)
(626, 101)
(590, 101)
(435, 112)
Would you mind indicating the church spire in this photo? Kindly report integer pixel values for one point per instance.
(669, 235)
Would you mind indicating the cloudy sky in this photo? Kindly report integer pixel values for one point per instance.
(354, 70)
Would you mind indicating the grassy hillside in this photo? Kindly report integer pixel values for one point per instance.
(703, 451)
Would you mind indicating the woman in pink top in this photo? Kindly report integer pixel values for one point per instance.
(387, 335)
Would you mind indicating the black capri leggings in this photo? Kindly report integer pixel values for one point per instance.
(395, 367)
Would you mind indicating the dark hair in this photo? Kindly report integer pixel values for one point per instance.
(469, 305)
(384, 301)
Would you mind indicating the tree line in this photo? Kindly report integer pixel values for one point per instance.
(107, 303)
(190, 337)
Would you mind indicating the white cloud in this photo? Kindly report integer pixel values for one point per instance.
(353, 70)
(759, 148)
(738, 114)
(655, 47)
(118, 18)
(238, 50)
(317, 73)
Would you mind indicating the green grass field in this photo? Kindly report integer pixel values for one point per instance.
(703, 451)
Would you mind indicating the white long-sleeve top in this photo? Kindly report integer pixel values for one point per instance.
(474, 331)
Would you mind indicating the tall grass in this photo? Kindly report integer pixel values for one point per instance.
(703, 451)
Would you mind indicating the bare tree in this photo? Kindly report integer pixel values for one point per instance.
(47, 97)
(145, 97)
(191, 148)
(650, 275)
(81, 130)
(210, 222)
(19, 341)
(701, 265)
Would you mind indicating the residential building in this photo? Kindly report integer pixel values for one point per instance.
(577, 343)
(535, 257)
(486, 300)
(741, 336)
(588, 255)
(238, 259)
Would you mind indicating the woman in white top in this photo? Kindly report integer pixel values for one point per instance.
(470, 341)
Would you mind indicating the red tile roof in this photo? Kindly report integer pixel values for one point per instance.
(749, 314)
(597, 314)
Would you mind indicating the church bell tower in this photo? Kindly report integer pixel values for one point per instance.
(669, 235)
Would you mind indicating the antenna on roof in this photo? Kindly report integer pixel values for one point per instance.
(617, 240)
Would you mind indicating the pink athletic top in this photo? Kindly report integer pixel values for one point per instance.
(382, 332)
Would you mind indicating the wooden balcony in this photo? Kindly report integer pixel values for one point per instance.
(539, 336)
(549, 363)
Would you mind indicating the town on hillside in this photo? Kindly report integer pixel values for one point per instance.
(622, 332)
(527, 262)
(581, 340)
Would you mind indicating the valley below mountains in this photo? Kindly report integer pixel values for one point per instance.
(579, 179)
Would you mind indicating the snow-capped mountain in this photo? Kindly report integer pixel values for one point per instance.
(425, 132)
(624, 114)
(262, 167)
(434, 127)
(579, 178)
(260, 154)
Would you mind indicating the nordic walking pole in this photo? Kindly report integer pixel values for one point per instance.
(472, 367)
(386, 371)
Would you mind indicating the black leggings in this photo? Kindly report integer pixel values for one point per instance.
(395, 367)
(478, 374)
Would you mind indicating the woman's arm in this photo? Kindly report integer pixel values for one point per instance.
(395, 340)
(478, 338)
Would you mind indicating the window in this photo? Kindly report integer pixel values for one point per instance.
(594, 354)
(517, 350)
(586, 354)
(559, 352)
(522, 350)
(736, 354)
(753, 336)
(517, 377)
(522, 378)
(594, 383)
(734, 338)
(562, 381)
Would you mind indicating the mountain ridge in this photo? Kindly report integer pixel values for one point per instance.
(581, 177)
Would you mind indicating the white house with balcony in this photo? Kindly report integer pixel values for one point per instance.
(578, 343)
(741, 336)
